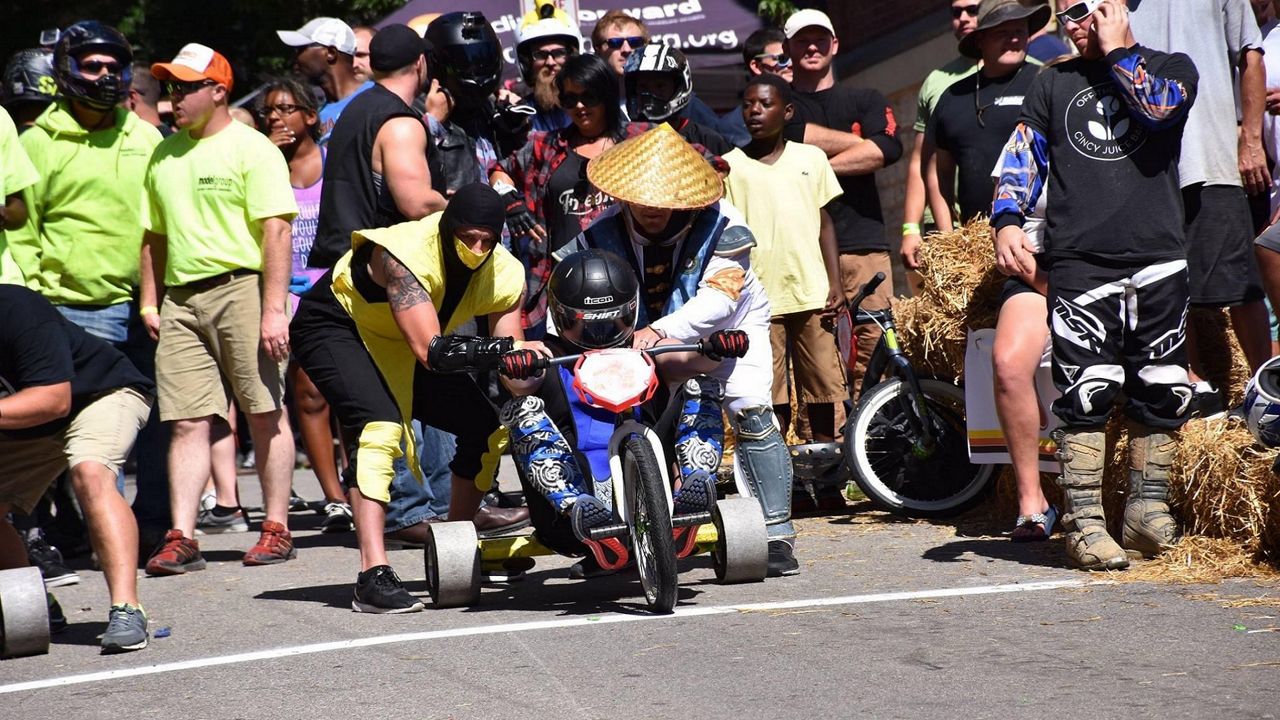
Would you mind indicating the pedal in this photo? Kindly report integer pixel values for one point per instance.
(610, 553)
(686, 540)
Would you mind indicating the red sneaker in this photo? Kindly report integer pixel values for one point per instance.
(275, 545)
(176, 556)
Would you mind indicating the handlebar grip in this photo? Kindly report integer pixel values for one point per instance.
(867, 288)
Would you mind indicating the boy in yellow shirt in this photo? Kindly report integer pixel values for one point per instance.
(782, 187)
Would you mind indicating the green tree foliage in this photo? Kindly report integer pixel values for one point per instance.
(242, 30)
(775, 11)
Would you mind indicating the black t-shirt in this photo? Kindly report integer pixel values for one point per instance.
(975, 146)
(856, 214)
(570, 197)
(699, 134)
(1113, 181)
(40, 347)
(352, 198)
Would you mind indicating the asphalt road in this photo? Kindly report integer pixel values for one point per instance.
(887, 619)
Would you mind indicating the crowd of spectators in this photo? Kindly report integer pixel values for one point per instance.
(395, 190)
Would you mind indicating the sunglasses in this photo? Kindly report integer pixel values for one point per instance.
(962, 10)
(180, 89)
(1078, 12)
(545, 55)
(616, 43)
(781, 61)
(570, 100)
(94, 66)
(282, 110)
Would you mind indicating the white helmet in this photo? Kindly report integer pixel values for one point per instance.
(545, 23)
(1262, 403)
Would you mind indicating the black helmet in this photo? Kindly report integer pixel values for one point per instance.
(594, 299)
(465, 53)
(92, 36)
(28, 77)
(659, 59)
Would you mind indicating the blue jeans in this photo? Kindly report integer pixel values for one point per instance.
(413, 502)
(121, 326)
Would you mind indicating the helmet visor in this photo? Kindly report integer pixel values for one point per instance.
(478, 63)
(596, 328)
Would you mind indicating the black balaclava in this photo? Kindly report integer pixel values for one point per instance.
(473, 205)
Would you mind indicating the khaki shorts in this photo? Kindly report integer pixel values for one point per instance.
(815, 359)
(855, 269)
(102, 432)
(211, 348)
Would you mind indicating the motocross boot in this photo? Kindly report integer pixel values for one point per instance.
(1083, 454)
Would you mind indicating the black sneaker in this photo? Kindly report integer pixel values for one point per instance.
(588, 568)
(49, 560)
(782, 559)
(296, 503)
(57, 619)
(379, 590)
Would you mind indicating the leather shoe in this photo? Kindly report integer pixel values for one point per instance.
(491, 520)
(412, 537)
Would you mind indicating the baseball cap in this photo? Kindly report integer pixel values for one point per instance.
(326, 31)
(802, 19)
(396, 46)
(195, 62)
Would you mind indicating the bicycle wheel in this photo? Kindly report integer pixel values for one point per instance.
(650, 521)
(894, 468)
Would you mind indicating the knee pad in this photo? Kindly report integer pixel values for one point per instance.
(699, 442)
(539, 447)
(764, 463)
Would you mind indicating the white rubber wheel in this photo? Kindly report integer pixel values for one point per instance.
(24, 613)
(452, 558)
(741, 553)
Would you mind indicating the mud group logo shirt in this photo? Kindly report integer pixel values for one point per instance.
(1114, 173)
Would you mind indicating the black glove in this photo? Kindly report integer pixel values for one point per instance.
(461, 353)
(725, 344)
(519, 220)
(521, 364)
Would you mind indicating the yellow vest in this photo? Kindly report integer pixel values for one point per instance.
(494, 288)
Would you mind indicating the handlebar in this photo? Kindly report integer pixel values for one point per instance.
(867, 288)
(543, 363)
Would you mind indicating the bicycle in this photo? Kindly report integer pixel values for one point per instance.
(906, 444)
(644, 527)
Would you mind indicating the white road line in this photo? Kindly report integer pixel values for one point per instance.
(604, 619)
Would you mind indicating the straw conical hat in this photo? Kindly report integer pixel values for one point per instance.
(657, 169)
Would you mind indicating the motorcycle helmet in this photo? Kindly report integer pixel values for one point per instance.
(545, 23)
(28, 77)
(594, 299)
(659, 59)
(1262, 404)
(92, 36)
(465, 53)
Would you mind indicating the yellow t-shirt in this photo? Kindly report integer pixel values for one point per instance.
(16, 174)
(781, 203)
(209, 198)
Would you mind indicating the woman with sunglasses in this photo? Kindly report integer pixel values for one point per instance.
(290, 119)
(544, 184)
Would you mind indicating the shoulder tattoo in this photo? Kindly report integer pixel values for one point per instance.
(403, 289)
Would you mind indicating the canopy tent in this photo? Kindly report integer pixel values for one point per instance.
(709, 32)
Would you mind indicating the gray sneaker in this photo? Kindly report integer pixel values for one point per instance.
(210, 523)
(126, 629)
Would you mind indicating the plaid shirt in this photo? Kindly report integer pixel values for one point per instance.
(531, 168)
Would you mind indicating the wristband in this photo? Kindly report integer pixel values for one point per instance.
(146, 310)
(910, 228)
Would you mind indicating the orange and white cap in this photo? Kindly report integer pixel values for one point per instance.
(195, 62)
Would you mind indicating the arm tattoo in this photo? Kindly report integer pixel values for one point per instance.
(403, 289)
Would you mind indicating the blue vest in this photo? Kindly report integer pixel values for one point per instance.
(610, 233)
